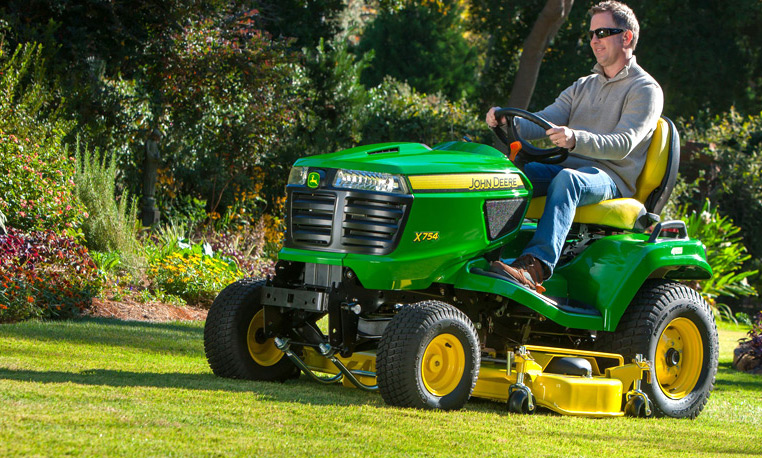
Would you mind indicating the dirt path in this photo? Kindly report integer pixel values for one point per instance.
(130, 309)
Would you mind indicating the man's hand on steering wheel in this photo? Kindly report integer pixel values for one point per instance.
(491, 119)
(562, 136)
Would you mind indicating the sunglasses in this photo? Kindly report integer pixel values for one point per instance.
(604, 32)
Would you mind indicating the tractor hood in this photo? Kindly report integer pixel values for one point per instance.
(413, 158)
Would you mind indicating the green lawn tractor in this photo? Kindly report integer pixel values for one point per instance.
(383, 284)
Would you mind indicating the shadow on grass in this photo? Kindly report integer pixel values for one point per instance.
(297, 390)
(175, 337)
(730, 379)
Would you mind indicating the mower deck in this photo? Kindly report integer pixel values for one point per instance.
(595, 393)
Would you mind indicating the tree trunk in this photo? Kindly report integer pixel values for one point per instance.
(545, 28)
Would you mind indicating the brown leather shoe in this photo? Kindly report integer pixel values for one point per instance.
(526, 270)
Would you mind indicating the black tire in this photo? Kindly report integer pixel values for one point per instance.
(661, 305)
(413, 363)
(518, 402)
(226, 334)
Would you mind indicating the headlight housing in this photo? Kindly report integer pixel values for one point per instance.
(370, 181)
(298, 175)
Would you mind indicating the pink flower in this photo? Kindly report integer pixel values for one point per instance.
(68, 207)
(22, 214)
(86, 215)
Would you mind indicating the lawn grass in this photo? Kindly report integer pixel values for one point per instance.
(110, 388)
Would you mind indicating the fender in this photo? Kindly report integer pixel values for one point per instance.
(606, 277)
(609, 273)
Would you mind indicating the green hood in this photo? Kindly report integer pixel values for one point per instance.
(413, 158)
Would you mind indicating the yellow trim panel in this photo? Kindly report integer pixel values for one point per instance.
(466, 182)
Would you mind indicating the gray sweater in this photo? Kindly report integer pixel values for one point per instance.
(613, 121)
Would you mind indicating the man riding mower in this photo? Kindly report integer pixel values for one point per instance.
(384, 283)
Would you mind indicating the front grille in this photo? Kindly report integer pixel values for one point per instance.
(312, 217)
(346, 221)
(370, 223)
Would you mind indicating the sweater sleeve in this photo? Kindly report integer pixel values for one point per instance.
(640, 112)
(557, 113)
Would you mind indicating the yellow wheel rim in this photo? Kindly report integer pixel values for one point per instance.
(679, 357)
(264, 353)
(444, 362)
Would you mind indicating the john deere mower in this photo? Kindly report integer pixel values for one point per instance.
(383, 284)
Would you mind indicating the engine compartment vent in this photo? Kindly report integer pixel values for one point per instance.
(395, 149)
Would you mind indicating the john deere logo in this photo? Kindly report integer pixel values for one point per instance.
(313, 180)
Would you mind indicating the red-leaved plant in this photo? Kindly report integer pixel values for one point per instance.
(44, 275)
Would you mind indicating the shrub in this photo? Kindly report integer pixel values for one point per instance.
(424, 47)
(246, 245)
(755, 337)
(725, 253)
(225, 97)
(36, 186)
(731, 170)
(35, 170)
(111, 225)
(397, 112)
(44, 275)
(194, 273)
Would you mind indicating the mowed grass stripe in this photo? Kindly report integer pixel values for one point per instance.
(111, 388)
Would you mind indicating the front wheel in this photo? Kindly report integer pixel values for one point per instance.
(234, 340)
(428, 357)
(671, 325)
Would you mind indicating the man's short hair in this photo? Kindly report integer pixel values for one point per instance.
(623, 17)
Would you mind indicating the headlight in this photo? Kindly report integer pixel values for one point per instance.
(298, 175)
(370, 181)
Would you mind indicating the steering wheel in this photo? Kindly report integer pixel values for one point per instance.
(529, 152)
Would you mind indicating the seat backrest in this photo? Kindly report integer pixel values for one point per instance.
(656, 181)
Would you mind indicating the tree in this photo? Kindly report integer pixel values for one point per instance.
(422, 46)
(553, 14)
(307, 22)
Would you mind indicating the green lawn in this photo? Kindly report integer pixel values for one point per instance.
(111, 388)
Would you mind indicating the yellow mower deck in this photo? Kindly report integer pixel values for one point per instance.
(602, 394)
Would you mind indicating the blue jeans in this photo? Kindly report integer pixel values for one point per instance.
(566, 189)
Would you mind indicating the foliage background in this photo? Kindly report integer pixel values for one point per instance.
(240, 89)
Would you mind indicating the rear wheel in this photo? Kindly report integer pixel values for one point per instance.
(428, 357)
(671, 325)
(234, 339)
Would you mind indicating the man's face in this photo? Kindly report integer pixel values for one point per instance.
(610, 50)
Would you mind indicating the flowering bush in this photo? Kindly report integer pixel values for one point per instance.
(245, 246)
(44, 275)
(36, 174)
(194, 274)
(36, 186)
